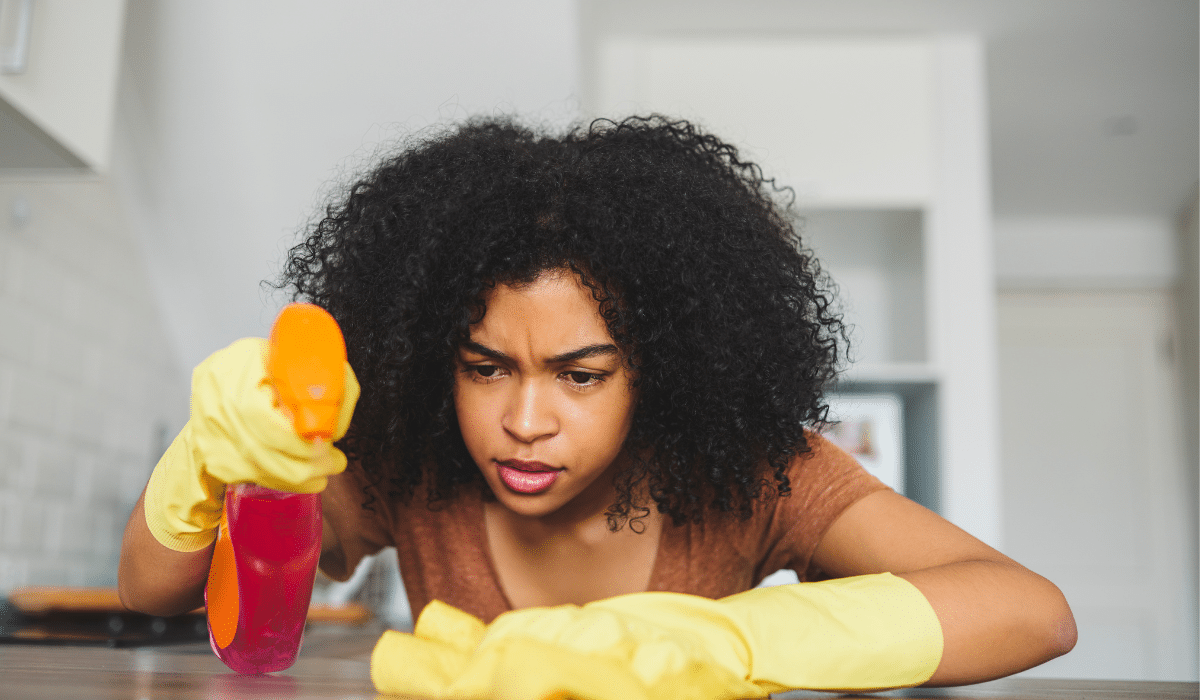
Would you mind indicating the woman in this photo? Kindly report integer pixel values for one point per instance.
(591, 365)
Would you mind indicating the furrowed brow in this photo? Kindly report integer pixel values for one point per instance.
(585, 352)
(597, 350)
(484, 350)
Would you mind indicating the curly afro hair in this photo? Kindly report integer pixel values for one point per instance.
(726, 319)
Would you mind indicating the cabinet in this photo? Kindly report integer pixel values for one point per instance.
(56, 111)
(883, 140)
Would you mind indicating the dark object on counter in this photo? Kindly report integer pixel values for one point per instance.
(89, 616)
(95, 617)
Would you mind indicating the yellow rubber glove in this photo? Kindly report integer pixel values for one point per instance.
(236, 433)
(860, 633)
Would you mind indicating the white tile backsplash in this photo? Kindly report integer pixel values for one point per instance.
(35, 401)
(18, 341)
(87, 382)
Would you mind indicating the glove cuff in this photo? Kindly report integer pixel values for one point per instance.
(859, 633)
(182, 505)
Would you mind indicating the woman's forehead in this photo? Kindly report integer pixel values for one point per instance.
(553, 312)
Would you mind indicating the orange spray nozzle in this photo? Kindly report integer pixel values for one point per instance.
(306, 363)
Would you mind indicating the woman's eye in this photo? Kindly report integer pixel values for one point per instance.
(484, 371)
(583, 378)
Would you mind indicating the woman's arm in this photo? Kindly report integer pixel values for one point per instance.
(155, 579)
(997, 617)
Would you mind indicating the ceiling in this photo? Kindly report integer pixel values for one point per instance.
(1094, 104)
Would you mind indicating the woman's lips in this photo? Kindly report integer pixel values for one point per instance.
(527, 477)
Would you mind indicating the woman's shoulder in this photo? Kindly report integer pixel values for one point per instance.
(822, 464)
(824, 480)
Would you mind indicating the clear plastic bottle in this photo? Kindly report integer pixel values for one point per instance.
(272, 541)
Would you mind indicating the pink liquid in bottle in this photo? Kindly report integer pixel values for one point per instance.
(262, 575)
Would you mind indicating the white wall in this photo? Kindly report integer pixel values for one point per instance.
(233, 117)
(1188, 317)
(1060, 252)
(88, 386)
(1096, 315)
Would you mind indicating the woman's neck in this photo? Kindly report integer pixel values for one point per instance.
(571, 555)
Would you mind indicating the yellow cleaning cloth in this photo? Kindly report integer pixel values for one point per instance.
(860, 633)
(537, 653)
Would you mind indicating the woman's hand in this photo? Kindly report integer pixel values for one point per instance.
(238, 432)
(862, 633)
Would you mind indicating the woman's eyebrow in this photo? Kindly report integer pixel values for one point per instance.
(484, 350)
(585, 352)
(562, 358)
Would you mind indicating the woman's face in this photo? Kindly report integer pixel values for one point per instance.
(543, 398)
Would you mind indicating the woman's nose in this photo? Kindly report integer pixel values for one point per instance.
(530, 415)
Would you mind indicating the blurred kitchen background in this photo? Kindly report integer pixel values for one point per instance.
(1005, 191)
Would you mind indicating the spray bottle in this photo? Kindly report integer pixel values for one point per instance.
(261, 578)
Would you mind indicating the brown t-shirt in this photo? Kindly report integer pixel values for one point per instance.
(444, 554)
